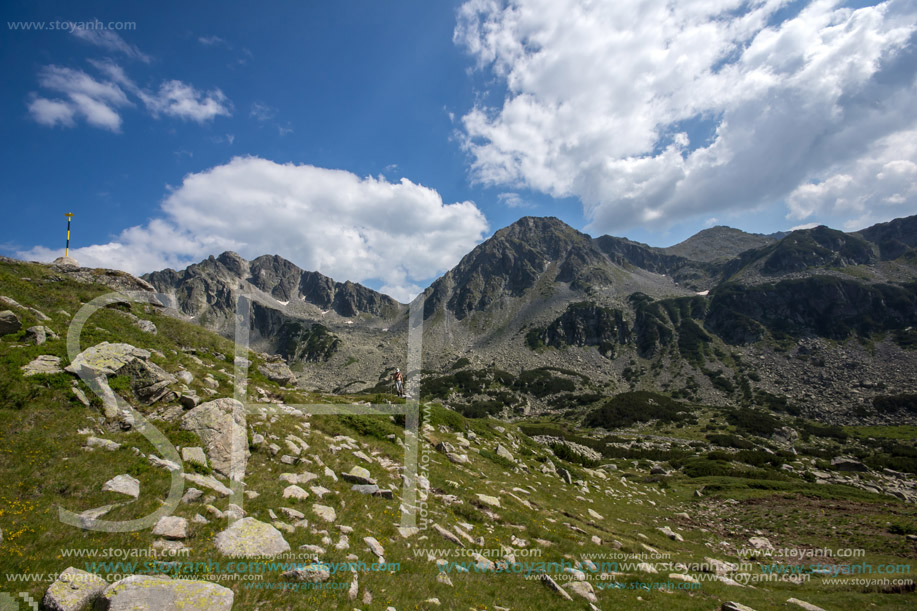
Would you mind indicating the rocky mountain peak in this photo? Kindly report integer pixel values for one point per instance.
(718, 242)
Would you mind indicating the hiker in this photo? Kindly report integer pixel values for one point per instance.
(398, 378)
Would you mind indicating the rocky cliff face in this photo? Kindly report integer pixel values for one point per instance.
(541, 296)
(300, 315)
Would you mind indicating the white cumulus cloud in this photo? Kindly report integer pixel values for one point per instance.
(100, 99)
(400, 234)
(108, 39)
(651, 112)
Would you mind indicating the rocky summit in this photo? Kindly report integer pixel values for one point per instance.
(727, 423)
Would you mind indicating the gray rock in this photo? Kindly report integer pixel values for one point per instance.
(448, 536)
(208, 481)
(192, 495)
(803, 604)
(358, 475)
(44, 363)
(324, 512)
(73, 590)
(292, 514)
(146, 326)
(39, 334)
(249, 537)
(734, 606)
(9, 322)
(504, 453)
(582, 588)
(365, 488)
(785, 435)
(295, 492)
(148, 381)
(671, 534)
(123, 484)
(565, 475)
(221, 426)
(194, 456)
(185, 376)
(488, 500)
(761, 543)
(374, 546)
(171, 527)
(552, 585)
(164, 594)
(105, 444)
(278, 372)
(310, 573)
(189, 400)
(445, 447)
(459, 459)
(66, 262)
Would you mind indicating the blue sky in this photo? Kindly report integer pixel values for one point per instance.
(379, 142)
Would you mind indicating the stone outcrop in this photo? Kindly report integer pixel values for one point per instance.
(250, 537)
(73, 590)
(221, 426)
(164, 594)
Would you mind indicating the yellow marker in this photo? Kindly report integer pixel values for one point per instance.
(67, 251)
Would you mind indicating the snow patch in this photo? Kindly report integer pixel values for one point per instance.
(704, 293)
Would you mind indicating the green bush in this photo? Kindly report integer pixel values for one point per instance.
(629, 408)
(893, 403)
(753, 422)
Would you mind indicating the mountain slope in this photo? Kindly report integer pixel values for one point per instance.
(718, 243)
(539, 296)
(535, 514)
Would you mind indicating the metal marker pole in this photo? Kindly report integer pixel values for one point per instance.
(67, 251)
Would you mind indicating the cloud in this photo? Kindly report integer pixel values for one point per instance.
(93, 100)
(99, 100)
(181, 100)
(877, 186)
(51, 112)
(513, 200)
(262, 112)
(399, 233)
(210, 41)
(111, 41)
(653, 112)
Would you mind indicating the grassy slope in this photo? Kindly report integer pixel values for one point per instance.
(42, 466)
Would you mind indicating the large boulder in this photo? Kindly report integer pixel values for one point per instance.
(171, 527)
(221, 426)
(249, 537)
(163, 594)
(73, 590)
(9, 322)
(278, 372)
(149, 381)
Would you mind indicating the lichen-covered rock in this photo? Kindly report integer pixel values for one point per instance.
(163, 594)
(250, 537)
(171, 527)
(73, 590)
(44, 363)
(221, 426)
